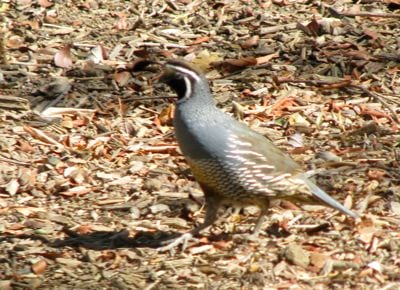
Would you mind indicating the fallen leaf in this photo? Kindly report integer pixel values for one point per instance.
(39, 267)
(232, 65)
(200, 40)
(77, 190)
(63, 57)
(121, 23)
(12, 187)
(376, 266)
(122, 78)
(72, 263)
(45, 3)
(166, 115)
(98, 54)
(267, 58)
(40, 135)
(204, 59)
(250, 42)
(28, 210)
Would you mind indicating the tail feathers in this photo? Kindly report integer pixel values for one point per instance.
(323, 196)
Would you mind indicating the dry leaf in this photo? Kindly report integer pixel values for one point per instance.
(98, 54)
(14, 42)
(376, 266)
(77, 190)
(39, 267)
(40, 135)
(204, 59)
(318, 260)
(84, 229)
(24, 3)
(28, 210)
(250, 42)
(313, 27)
(376, 174)
(63, 57)
(121, 23)
(232, 65)
(242, 62)
(33, 24)
(122, 78)
(45, 3)
(267, 58)
(200, 40)
(12, 187)
(167, 115)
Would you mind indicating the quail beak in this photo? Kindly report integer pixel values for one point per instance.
(166, 76)
(142, 64)
(161, 79)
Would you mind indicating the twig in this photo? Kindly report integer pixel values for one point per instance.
(379, 99)
(166, 45)
(277, 28)
(130, 99)
(319, 83)
(339, 85)
(8, 160)
(338, 14)
(14, 103)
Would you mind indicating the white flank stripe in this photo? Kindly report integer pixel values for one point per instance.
(259, 175)
(280, 177)
(246, 152)
(240, 143)
(263, 166)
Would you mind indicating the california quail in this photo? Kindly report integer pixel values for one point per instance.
(232, 163)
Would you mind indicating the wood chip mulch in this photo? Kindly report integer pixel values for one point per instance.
(91, 178)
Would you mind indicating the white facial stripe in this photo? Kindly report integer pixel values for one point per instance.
(186, 71)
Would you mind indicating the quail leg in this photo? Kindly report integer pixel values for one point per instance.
(212, 206)
(264, 208)
(260, 221)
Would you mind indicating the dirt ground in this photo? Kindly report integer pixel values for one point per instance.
(91, 176)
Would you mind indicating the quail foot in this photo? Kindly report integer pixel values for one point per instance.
(233, 164)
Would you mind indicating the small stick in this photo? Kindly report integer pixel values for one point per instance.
(336, 13)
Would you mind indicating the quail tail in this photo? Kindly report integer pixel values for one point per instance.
(323, 196)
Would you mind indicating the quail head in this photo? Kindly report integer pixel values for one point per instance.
(232, 163)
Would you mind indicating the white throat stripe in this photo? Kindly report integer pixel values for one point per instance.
(188, 88)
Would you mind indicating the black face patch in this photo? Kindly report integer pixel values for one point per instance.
(178, 84)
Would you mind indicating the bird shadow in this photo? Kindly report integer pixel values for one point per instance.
(102, 240)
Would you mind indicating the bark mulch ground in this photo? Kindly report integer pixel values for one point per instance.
(91, 176)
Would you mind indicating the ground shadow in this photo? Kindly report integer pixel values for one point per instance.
(102, 240)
